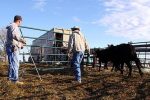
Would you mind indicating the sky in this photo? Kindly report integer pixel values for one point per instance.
(103, 22)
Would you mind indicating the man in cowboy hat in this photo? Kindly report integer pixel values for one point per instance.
(13, 43)
(77, 45)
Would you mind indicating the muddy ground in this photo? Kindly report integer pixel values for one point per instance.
(60, 85)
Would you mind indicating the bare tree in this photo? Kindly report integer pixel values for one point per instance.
(3, 32)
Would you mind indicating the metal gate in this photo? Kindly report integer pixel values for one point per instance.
(143, 52)
(50, 47)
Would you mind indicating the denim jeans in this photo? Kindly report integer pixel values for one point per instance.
(13, 61)
(75, 64)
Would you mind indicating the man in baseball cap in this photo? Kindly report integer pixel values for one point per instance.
(17, 17)
(14, 42)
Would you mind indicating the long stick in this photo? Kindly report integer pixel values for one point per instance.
(32, 58)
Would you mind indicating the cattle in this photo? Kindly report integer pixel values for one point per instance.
(120, 54)
(102, 55)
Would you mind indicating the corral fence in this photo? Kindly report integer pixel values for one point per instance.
(50, 47)
(143, 52)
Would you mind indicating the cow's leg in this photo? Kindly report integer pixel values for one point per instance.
(105, 65)
(99, 65)
(130, 68)
(113, 67)
(138, 64)
(117, 66)
(94, 61)
(121, 66)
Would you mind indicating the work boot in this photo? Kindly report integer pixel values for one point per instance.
(19, 83)
(79, 81)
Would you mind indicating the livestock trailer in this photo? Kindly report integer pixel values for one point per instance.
(51, 46)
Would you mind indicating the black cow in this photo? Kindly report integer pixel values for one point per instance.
(123, 53)
(103, 56)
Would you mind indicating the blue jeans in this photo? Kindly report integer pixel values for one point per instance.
(13, 63)
(75, 64)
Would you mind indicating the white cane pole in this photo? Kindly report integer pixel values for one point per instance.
(32, 58)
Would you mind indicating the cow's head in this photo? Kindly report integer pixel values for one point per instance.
(96, 51)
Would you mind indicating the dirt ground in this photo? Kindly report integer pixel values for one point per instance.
(60, 85)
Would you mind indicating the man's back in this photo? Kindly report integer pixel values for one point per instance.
(77, 42)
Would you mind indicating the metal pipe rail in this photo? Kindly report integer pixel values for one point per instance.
(55, 61)
(45, 46)
(139, 42)
(43, 54)
(143, 51)
(44, 39)
(34, 28)
(54, 57)
(56, 54)
(39, 29)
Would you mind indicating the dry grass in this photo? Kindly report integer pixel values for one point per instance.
(60, 85)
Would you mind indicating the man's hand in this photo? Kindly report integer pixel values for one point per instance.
(14, 48)
(88, 54)
(22, 47)
(69, 55)
(23, 41)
